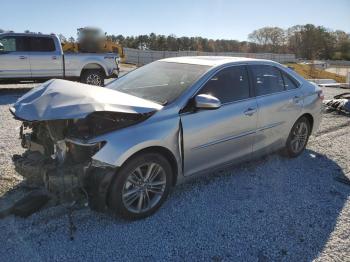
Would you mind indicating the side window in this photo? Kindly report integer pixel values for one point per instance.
(267, 79)
(230, 84)
(42, 44)
(22, 43)
(8, 44)
(289, 83)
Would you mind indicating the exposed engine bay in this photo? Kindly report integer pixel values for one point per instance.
(59, 119)
(62, 154)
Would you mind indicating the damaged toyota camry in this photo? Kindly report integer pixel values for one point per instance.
(130, 142)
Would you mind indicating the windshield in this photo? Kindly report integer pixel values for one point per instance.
(160, 82)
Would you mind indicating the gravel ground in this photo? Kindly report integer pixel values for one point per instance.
(272, 209)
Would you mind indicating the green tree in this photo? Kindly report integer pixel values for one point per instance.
(305, 41)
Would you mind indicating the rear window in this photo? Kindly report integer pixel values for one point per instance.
(41, 44)
(289, 82)
(267, 79)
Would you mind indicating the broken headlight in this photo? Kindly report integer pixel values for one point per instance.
(99, 123)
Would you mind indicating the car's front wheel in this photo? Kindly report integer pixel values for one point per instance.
(298, 138)
(141, 186)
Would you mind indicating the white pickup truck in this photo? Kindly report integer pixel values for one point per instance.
(37, 56)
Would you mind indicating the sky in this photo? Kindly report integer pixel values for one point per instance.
(216, 19)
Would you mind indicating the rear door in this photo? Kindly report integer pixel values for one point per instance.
(280, 102)
(14, 60)
(215, 137)
(45, 57)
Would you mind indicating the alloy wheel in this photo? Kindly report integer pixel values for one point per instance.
(299, 137)
(144, 188)
(94, 79)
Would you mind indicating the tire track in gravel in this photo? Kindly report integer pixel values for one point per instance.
(333, 128)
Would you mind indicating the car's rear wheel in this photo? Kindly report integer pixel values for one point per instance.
(93, 77)
(298, 138)
(141, 186)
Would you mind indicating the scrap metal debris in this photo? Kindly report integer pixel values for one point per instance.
(340, 103)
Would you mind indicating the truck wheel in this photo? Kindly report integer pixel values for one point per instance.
(141, 186)
(93, 77)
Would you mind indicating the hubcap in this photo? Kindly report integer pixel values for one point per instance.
(299, 137)
(144, 188)
(94, 79)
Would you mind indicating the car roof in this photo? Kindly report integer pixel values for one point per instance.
(26, 34)
(211, 60)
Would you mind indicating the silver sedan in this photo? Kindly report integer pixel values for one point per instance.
(171, 120)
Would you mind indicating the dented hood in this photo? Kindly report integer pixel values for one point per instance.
(61, 99)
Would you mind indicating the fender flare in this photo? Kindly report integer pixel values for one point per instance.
(93, 65)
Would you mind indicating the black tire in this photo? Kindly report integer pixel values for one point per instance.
(289, 150)
(116, 200)
(93, 77)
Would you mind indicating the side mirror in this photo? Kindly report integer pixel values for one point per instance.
(204, 101)
(1, 47)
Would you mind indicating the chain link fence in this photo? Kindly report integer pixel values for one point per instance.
(142, 57)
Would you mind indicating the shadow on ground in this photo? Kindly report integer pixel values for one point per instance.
(9, 97)
(270, 209)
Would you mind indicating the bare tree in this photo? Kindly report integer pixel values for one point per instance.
(62, 38)
(270, 38)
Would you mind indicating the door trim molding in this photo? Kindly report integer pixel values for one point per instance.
(224, 139)
(247, 133)
(270, 126)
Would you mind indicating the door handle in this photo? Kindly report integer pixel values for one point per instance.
(250, 111)
(54, 57)
(22, 57)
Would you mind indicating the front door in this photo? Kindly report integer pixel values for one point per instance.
(45, 59)
(216, 137)
(14, 60)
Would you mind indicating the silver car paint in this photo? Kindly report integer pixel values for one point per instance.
(14, 64)
(62, 99)
(197, 145)
(47, 64)
(206, 147)
(209, 136)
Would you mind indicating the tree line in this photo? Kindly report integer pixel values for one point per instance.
(305, 41)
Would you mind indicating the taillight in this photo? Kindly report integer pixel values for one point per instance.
(321, 95)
